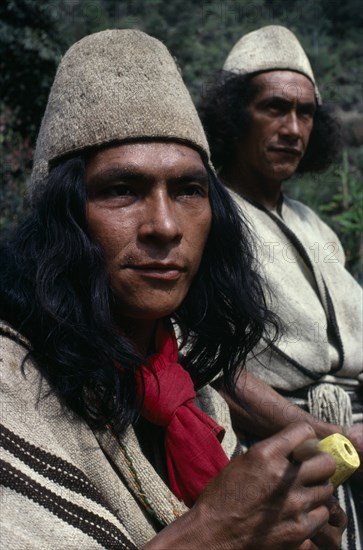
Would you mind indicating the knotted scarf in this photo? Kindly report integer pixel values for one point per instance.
(194, 454)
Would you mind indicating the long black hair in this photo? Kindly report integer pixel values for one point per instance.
(223, 109)
(54, 290)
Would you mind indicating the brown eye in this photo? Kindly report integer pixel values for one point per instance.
(193, 189)
(306, 114)
(119, 190)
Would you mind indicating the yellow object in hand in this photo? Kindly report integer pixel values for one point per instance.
(339, 447)
(346, 457)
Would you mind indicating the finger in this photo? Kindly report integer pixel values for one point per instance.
(317, 518)
(306, 450)
(314, 497)
(317, 469)
(285, 441)
(308, 545)
(328, 538)
(337, 516)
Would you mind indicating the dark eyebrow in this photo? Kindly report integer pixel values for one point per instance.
(116, 173)
(283, 101)
(131, 173)
(198, 176)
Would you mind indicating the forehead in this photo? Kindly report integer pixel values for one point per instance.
(288, 85)
(154, 157)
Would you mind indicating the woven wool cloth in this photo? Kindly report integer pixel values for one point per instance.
(318, 301)
(319, 353)
(63, 482)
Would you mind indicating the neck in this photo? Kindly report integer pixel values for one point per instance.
(252, 186)
(140, 332)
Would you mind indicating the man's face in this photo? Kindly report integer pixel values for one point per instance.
(148, 208)
(282, 115)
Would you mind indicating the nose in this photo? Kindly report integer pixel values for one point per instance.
(290, 127)
(160, 221)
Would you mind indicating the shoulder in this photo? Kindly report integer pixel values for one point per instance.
(10, 338)
(241, 203)
(304, 221)
(17, 370)
(307, 215)
(55, 480)
(252, 216)
(16, 365)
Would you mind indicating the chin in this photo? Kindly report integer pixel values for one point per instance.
(283, 173)
(151, 313)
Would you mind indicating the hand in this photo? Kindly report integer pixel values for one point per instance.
(355, 435)
(259, 500)
(262, 500)
(330, 536)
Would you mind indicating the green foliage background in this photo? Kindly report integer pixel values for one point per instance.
(35, 33)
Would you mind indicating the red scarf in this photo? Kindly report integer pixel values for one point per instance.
(194, 454)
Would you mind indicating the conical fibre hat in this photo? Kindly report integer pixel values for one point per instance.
(267, 49)
(113, 86)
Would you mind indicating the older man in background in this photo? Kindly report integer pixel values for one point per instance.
(265, 122)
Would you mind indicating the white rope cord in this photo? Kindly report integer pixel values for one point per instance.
(330, 403)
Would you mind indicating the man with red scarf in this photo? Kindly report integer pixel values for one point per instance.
(108, 439)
